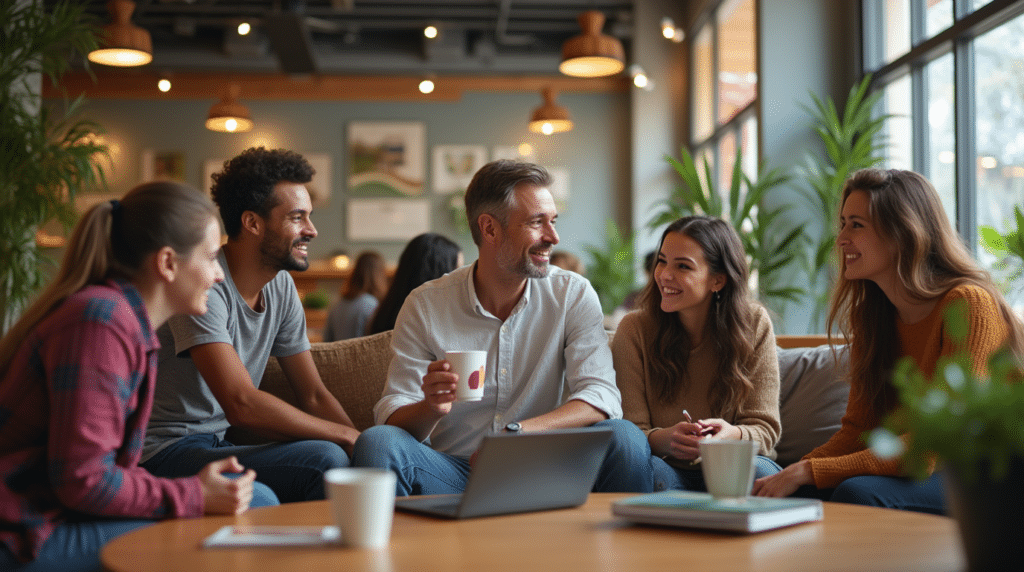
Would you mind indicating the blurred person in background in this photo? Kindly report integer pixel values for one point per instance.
(359, 298)
(426, 257)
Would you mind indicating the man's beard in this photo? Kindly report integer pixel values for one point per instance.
(282, 258)
(524, 265)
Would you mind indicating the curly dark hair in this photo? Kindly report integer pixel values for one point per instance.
(247, 183)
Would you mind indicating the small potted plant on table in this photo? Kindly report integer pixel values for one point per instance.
(973, 427)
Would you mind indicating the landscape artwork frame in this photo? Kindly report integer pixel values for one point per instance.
(454, 166)
(386, 158)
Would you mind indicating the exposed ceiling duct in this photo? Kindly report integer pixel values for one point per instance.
(367, 36)
(291, 41)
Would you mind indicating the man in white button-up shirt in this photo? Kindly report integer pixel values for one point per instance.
(548, 364)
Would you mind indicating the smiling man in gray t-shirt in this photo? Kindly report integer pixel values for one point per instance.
(210, 365)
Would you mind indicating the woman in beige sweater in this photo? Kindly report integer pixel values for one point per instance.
(699, 343)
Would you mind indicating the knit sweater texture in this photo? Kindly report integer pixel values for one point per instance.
(846, 455)
(757, 417)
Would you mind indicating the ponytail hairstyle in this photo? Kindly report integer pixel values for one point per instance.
(113, 240)
(931, 259)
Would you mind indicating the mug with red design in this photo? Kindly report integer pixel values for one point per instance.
(470, 366)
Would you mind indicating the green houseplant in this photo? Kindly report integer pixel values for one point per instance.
(316, 300)
(973, 426)
(610, 269)
(47, 156)
(771, 245)
(850, 141)
(1008, 248)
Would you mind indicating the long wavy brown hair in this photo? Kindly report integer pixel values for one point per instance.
(931, 259)
(727, 327)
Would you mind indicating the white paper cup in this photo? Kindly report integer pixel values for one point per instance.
(728, 466)
(471, 368)
(363, 502)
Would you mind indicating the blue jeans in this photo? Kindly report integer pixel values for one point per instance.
(75, 546)
(886, 492)
(667, 477)
(294, 471)
(424, 471)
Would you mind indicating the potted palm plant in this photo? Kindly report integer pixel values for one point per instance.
(610, 269)
(47, 155)
(973, 426)
(772, 245)
(851, 140)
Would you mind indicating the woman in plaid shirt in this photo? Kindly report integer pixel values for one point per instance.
(76, 384)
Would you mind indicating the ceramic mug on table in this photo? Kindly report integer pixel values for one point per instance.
(728, 466)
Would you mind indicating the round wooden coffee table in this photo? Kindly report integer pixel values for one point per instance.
(584, 538)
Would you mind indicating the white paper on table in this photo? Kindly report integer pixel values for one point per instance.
(254, 535)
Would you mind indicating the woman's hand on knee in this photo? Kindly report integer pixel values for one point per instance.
(224, 494)
(786, 482)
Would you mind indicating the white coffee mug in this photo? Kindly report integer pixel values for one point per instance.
(363, 502)
(471, 367)
(728, 466)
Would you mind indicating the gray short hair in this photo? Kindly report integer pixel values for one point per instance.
(492, 190)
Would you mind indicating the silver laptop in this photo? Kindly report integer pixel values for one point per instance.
(522, 473)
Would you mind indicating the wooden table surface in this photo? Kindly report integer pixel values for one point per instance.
(584, 538)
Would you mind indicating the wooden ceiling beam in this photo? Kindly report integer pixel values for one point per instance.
(281, 87)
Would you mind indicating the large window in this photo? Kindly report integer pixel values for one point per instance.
(952, 75)
(724, 63)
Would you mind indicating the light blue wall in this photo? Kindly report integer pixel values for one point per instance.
(806, 46)
(596, 152)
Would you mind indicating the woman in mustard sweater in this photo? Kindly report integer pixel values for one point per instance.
(902, 265)
(698, 342)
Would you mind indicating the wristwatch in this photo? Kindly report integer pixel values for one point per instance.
(514, 427)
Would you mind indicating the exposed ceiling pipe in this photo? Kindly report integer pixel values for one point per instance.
(501, 34)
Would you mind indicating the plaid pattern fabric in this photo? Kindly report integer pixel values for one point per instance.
(73, 412)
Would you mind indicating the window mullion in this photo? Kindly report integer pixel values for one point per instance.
(919, 127)
(966, 141)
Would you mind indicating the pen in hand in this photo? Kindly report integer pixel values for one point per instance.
(703, 431)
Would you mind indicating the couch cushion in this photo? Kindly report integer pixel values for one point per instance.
(353, 370)
(812, 398)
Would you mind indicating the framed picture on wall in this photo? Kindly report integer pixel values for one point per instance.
(163, 165)
(395, 220)
(455, 165)
(386, 158)
(559, 185)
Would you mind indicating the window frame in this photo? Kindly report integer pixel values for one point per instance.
(956, 39)
(734, 126)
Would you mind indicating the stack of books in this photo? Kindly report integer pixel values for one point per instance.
(701, 510)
